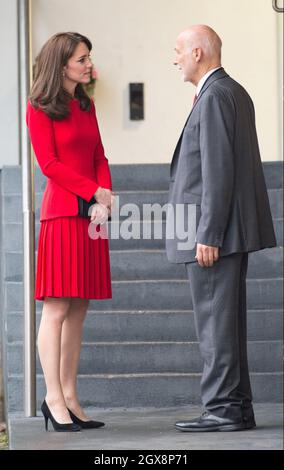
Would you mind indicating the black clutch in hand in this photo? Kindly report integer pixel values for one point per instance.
(84, 206)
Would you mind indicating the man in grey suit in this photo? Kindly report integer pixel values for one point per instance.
(216, 169)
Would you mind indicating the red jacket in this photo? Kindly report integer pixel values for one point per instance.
(71, 156)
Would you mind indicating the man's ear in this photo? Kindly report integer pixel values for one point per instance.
(198, 54)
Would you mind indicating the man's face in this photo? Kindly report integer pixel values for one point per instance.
(184, 59)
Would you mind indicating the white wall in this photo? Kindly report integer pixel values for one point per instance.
(134, 40)
(9, 102)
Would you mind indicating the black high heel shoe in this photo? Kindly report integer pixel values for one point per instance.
(68, 427)
(85, 424)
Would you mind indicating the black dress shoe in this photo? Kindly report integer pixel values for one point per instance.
(209, 422)
(249, 422)
(85, 424)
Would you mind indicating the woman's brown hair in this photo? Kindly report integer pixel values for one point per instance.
(47, 92)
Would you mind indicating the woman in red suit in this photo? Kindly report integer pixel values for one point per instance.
(71, 267)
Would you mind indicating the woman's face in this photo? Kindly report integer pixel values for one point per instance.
(79, 66)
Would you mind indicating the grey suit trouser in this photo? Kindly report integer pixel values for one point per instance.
(219, 303)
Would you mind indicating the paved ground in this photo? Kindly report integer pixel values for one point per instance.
(149, 428)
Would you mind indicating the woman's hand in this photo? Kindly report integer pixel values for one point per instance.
(103, 196)
(112, 203)
(99, 214)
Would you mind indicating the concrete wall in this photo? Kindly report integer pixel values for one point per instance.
(1, 312)
(9, 111)
(134, 41)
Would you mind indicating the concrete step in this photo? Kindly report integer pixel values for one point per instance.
(13, 236)
(263, 294)
(133, 177)
(276, 202)
(149, 202)
(156, 235)
(176, 325)
(125, 177)
(156, 176)
(134, 204)
(168, 357)
(132, 390)
(153, 264)
(153, 357)
(162, 294)
(273, 173)
(154, 325)
(278, 228)
(266, 263)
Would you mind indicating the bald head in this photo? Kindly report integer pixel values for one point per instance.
(198, 50)
(205, 38)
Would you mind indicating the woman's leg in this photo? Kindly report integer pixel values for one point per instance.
(70, 354)
(54, 314)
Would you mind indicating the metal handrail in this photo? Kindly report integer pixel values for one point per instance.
(24, 13)
(276, 7)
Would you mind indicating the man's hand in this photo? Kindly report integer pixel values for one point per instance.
(206, 255)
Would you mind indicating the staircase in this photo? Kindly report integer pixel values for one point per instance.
(140, 348)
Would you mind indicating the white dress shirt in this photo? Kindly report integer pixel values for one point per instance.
(203, 80)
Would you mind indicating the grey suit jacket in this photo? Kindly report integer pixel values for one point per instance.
(217, 170)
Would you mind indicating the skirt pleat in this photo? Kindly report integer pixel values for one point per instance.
(70, 263)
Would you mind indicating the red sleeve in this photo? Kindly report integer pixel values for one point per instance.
(42, 138)
(102, 170)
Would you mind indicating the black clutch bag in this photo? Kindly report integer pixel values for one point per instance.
(84, 206)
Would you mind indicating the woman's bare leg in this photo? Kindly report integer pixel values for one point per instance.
(54, 313)
(70, 354)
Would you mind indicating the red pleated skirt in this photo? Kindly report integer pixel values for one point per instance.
(70, 263)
